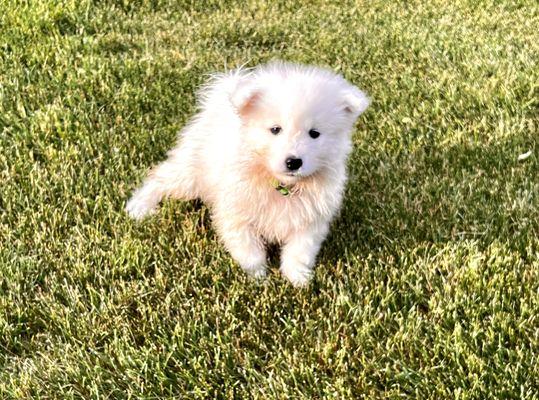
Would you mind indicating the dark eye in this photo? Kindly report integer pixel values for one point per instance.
(314, 133)
(275, 129)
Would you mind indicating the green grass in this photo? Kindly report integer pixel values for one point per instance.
(428, 286)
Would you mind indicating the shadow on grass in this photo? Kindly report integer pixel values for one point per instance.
(480, 193)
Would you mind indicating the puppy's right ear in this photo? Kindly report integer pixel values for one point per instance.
(245, 97)
(356, 101)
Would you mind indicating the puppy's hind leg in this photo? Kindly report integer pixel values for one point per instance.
(171, 178)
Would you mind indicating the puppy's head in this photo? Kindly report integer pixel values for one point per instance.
(296, 119)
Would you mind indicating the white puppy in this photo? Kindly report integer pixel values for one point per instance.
(267, 152)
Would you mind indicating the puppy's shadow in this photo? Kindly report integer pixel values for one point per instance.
(273, 255)
(435, 196)
(431, 196)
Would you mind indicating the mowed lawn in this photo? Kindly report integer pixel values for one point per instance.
(428, 285)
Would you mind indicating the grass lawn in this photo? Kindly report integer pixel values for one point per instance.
(428, 285)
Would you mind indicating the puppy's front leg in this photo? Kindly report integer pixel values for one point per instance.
(242, 243)
(299, 253)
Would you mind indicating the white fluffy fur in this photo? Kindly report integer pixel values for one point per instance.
(228, 157)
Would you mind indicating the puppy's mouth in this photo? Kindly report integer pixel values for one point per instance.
(289, 178)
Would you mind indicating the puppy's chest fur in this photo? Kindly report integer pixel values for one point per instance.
(276, 217)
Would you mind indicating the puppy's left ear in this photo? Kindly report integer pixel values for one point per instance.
(355, 101)
(245, 97)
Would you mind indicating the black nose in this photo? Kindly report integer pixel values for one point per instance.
(293, 163)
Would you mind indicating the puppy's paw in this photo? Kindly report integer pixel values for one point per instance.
(258, 273)
(297, 273)
(138, 207)
(254, 265)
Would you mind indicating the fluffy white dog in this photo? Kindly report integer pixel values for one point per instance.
(267, 152)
